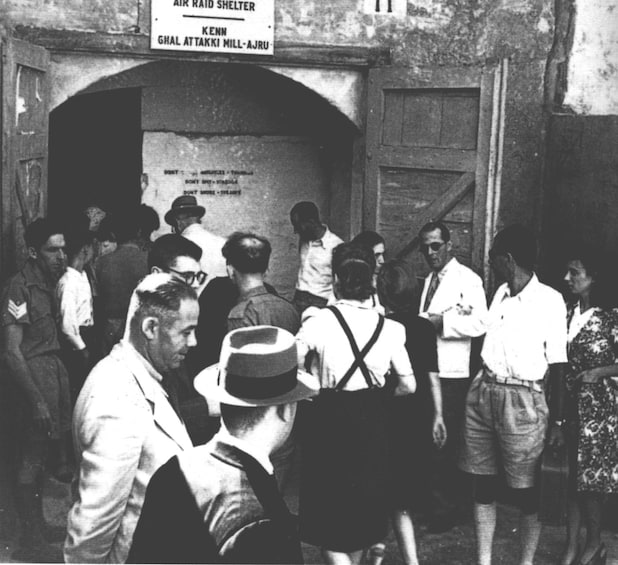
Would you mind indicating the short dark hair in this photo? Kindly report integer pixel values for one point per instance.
(106, 230)
(76, 239)
(432, 226)
(247, 252)
(305, 211)
(40, 230)
(168, 247)
(159, 295)
(125, 225)
(397, 285)
(147, 220)
(354, 266)
(517, 241)
(242, 418)
(368, 238)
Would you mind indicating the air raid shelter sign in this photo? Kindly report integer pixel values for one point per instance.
(221, 26)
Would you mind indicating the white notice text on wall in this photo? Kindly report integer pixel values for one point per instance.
(220, 26)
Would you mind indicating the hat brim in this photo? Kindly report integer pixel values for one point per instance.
(206, 383)
(170, 216)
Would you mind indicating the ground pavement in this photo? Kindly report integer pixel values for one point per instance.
(452, 548)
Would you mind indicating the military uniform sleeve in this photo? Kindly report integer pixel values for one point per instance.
(15, 303)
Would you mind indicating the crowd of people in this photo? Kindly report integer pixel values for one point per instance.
(398, 397)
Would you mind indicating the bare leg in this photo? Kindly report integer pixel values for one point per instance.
(591, 510)
(529, 532)
(340, 558)
(485, 526)
(572, 530)
(404, 530)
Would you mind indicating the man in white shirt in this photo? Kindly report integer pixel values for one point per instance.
(453, 300)
(76, 315)
(507, 415)
(125, 425)
(314, 286)
(185, 217)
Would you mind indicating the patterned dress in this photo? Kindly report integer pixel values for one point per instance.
(593, 414)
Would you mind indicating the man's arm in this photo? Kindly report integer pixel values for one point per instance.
(468, 317)
(20, 373)
(112, 437)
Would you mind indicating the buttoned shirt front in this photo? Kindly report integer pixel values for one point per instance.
(75, 298)
(323, 335)
(526, 332)
(315, 272)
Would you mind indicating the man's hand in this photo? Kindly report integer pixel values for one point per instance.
(41, 417)
(555, 438)
(439, 432)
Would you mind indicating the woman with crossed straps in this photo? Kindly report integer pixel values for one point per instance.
(344, 470)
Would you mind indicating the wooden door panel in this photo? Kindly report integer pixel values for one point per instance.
(25, 118)
(424, 131)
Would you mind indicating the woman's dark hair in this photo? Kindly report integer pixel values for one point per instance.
(397, 285)
(368, 238)
(354, 266)
(602, 292)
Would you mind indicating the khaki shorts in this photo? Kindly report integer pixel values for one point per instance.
(504, 430)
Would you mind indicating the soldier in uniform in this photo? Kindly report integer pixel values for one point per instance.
(42, 401)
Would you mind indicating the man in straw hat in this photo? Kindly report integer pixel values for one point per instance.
(185, 217)
(219, 502)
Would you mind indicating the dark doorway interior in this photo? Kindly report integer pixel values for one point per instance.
(95, 152)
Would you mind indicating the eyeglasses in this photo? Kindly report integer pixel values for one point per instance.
(190, 277)
(434, 246)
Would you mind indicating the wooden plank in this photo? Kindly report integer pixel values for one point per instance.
(392, 121)
(422, 119)
(434, 77)
(459, 126)
(138, 45)
(428, 158)
(375, 110)
(437, 210)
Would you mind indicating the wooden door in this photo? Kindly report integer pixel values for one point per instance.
(427, 158)
(25, 118)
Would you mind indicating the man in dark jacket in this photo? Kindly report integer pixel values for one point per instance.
(219, 502)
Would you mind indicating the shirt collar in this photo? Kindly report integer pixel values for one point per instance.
(130, 349)
(320, 241)
(256, 291)
(367, 304)
(449, 265)
(530, 288)
(251, 449)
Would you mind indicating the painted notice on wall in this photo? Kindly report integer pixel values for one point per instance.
(219, 26)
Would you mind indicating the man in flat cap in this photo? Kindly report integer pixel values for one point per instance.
(219, 502)
(185, 217)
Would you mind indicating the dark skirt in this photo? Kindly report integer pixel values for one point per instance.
(344, 470)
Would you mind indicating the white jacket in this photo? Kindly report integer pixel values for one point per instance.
(124, 429)
(460, 299)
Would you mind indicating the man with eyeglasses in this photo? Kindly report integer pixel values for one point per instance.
(180, 257)
(453, 300)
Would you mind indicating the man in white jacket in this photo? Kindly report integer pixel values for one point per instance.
(126, 423)
(454, 301)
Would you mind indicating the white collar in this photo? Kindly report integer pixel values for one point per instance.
(258, 454)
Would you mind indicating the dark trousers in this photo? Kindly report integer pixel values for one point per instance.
(449, 489)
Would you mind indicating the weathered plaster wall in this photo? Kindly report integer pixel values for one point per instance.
(593, 63)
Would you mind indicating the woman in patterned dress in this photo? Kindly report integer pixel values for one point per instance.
(591, 407)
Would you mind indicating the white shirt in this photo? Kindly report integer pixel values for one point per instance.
(460, 300)
(526, 332)
(323, 335)
(315, 272)
(212, 261)
(75, 299)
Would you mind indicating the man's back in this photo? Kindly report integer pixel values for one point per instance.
(214, 498)
(259, 307)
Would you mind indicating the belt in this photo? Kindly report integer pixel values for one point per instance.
(491, 377)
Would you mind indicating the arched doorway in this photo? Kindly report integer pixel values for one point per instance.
(247, 142)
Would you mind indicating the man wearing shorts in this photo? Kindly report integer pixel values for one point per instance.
(30, 335)
(506, 419)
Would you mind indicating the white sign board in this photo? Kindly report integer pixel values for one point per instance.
(220, 26)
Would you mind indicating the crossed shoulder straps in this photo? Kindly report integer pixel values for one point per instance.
(359, 355)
